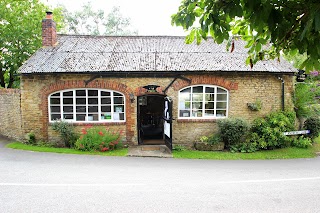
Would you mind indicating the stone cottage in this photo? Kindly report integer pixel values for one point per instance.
(151, 87)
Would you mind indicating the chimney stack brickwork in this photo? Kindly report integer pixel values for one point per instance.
(49, 33)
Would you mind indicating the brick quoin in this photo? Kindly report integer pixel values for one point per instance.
(77, 84)
(219, 81)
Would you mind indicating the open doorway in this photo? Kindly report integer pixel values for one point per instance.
(150, 119)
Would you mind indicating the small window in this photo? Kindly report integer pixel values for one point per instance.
(87, 105)
(203, 101)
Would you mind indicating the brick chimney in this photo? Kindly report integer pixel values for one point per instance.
(49, 33)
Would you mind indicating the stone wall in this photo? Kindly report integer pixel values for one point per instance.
(243, 88)
(10, 114)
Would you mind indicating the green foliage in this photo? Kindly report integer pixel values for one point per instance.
(302, 142)
(304, 98)
(178, 147)
(244, 147)
(66, 131)
(89, 21)
(98, 139)
(31, 138)
(232, 131)
(292, 27)
(312, 124)
(267, 133)
(20, 27)
(211, 139)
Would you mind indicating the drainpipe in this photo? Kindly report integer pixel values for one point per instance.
(282, 92)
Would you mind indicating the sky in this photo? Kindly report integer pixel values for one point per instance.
(149, 17)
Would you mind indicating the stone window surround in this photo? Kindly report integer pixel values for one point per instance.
(190, 117)
(98, 105)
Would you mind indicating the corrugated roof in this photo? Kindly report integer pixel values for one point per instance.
(75, 53)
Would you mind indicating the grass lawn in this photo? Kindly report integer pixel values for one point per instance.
(18, 145)
(286, 153)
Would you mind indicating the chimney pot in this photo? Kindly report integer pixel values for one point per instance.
(49, 34)
(49, 15)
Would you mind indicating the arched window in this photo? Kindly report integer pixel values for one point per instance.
(87, 105)
(203, 101)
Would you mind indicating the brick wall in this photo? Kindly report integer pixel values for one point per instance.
(10, 114)
(243, 89)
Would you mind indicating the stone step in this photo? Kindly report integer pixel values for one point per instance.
(160, 151)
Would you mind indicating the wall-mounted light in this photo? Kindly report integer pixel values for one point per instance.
(131, 97)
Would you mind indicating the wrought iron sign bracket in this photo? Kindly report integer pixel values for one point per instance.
(180, 77)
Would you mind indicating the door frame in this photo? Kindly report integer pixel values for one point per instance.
(138, 119)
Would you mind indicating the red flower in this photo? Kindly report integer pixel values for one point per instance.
(104, 149)
(101, 133)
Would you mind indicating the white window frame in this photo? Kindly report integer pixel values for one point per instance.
(203, 102)
(74, 105)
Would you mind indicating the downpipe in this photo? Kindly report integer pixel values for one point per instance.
(282, 92)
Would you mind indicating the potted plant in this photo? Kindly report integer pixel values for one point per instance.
(209, 143)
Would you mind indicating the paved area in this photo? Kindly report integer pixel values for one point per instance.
(160, 151)
(49, 182)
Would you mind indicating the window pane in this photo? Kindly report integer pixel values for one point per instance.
(106, 109)
(197, 105)
(105, 93)
(67, 101)
(54, 100)
(81, 117)
(56, 94)
(68, 116)
(198, 89)
(209, 113)
(70, 93)
(118, 100)
(106, 116)
(122, 116)
(184, 105)
(80, 93)
(197, 97)
(105, 100)
(222, 97)
(93, 101)
(196, 113)
(93, 117)
(117, 94)
(184, 113)
(81, 101)
(219, 90)
(185, 96)
(55, 109)
(209, 97)
(81, 108)
(209, 89)
(55, 117)
(221, 105)
(93, 108)
(92, 92)
(221, 113)
(188, 90)
(209, 105)
(68, 109)
(118, 108)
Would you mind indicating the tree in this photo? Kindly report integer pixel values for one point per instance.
(269, 27)
(89, 21)
(20, 28)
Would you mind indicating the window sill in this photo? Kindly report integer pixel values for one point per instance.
(94, 123)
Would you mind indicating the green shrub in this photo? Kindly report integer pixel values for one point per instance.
(244, 147)
(179, 147)
(66, 131)
(98, 139)
(302, 142)
(211, 139)
(267, 132)
(312, 124)
(232, 131)
(31, 138)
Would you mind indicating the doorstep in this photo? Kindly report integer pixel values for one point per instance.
(159, 151)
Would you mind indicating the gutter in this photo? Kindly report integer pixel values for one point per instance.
(282, 92)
